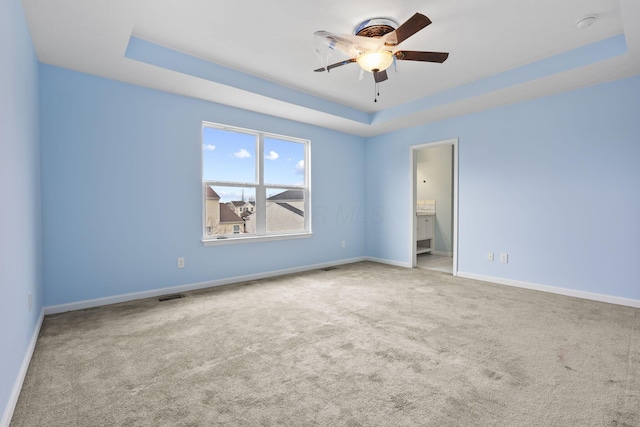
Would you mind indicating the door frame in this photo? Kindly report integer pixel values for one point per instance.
(413, 177)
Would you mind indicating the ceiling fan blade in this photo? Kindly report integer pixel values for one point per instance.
(380, 76)
(413, 55)
(337, 64)
(414, 24)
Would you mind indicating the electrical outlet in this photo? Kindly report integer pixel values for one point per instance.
(490, 256)
(180, 262)
(30, 301)
(504, 257)
(343, 244)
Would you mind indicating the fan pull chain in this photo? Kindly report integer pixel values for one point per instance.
(376, 89)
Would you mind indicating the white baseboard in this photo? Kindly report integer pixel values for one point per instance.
(388, 262)
(554, 290)
(53, 309)
(17, 385)
(227, 281)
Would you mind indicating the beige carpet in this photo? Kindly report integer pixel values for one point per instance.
(362, 345)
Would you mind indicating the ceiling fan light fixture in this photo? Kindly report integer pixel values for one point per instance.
(378, 60)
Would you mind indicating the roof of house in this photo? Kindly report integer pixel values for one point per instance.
(211, 194)
(288, 195)
(238, 202)
(293, 209)
(227, 215)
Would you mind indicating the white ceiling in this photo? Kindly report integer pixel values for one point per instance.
(274, 41)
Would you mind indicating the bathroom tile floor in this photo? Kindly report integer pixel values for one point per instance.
(435, 262)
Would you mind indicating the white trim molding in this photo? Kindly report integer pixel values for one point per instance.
(453, 142)
(252, 239)
(17, 385)
(80, 305)
(388, 262)
(629, 302)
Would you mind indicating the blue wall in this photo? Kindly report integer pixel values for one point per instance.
(20, 220)
(549, 181)
(553, 182)
(122, 191)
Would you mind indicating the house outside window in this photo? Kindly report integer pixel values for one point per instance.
(255, 185)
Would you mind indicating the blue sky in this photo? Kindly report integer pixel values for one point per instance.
(231, 157)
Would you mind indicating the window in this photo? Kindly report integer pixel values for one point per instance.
(255, 185)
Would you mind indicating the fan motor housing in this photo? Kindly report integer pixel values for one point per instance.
(375, 27)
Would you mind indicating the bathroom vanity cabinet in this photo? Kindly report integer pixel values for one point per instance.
(424, 233)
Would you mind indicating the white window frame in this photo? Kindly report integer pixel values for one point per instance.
(260, 191)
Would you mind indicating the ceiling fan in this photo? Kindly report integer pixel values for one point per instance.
(374, 45)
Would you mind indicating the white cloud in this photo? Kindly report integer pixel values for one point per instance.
(300, 167)
(208, 147)
(242, 154)
(272, 155)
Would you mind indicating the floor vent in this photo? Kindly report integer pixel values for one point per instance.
(329, 268)
(170, 297)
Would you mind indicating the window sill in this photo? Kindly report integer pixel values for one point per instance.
(254, 239)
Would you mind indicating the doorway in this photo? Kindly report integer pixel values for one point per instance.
(434, 205)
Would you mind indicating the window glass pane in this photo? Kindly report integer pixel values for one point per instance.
(283, 162)
(285, 210)
(229, 210)
(241, 167)
(228, 156)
